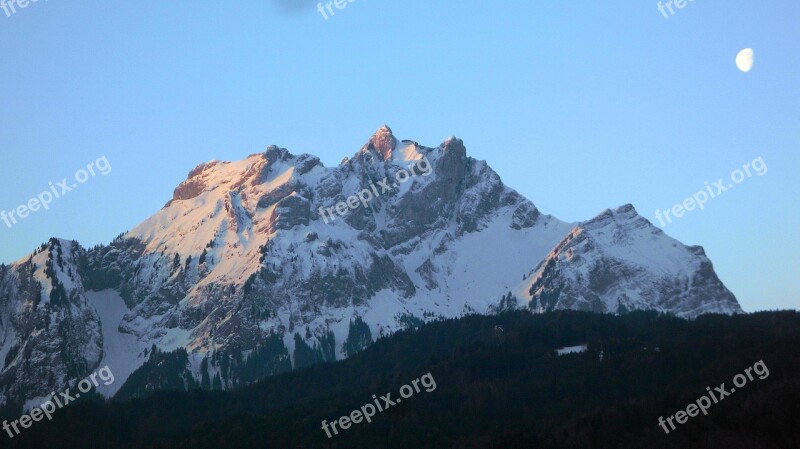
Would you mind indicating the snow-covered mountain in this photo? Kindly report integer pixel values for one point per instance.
(250, 270)
(619, 261)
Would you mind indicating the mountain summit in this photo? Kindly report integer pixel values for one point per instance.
(383, 142)
(238, 276)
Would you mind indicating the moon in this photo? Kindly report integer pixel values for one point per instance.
(744, 60)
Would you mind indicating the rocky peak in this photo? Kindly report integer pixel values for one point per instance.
(275, 153)
(383, 142)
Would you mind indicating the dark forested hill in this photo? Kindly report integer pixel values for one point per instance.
(499, 384)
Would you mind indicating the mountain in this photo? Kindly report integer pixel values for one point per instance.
(276, 262)
(618, 262)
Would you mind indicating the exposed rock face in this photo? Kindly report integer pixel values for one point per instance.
(242, 272)
(50, 333)
(383, 142)
(194, 185)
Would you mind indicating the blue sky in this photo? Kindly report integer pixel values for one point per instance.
(580, 106)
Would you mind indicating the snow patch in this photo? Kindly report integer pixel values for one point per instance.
(572, 349)
(122, 353)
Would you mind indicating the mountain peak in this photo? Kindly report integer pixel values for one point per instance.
(383, 142)
(626, 208)
(625, 212)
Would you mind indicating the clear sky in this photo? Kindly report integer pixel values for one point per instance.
(579, 105)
